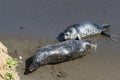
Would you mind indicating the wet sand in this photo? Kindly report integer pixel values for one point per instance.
(27, 25)
(102, 64)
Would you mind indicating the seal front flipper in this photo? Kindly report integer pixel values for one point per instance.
(109, 35)
(78, 37)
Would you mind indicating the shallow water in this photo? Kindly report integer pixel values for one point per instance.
(27, 25)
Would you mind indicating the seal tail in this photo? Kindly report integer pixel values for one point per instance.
(105, 26)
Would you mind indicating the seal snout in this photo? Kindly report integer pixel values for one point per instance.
(30, 65)
(29, 70)
(60, 37)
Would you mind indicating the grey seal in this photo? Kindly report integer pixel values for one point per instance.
(57, 53)
(81, 30)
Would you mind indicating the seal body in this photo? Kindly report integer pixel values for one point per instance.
(81, 30)
(64, 51)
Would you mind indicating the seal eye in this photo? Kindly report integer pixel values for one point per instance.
(67, 34)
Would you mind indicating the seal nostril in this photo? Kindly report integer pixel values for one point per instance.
(30, 70)
(26, 72)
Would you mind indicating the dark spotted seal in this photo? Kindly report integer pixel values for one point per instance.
(81, 30)
(64, 51)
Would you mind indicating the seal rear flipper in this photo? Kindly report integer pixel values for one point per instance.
(78, 37)
(109, 35)
(105, 26)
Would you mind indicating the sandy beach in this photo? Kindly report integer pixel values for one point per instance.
(27, 25)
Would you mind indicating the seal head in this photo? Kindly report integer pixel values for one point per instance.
(37, 61)
(34, 64)
(71, 32)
